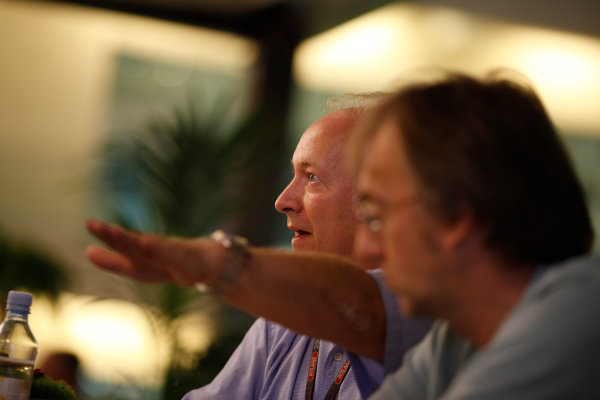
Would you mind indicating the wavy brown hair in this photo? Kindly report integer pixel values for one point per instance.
(487, 147)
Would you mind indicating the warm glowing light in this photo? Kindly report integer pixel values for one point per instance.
(564, 68)
(115, 340)
(380, 49)
(348, 51)
(195, 333)
(190, 337)
(448, 29)
(110, 329)
(371, 41)
(115, 32)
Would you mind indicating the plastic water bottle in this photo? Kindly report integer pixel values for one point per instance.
(18, 348)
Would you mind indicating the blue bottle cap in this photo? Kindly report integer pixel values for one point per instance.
(19, 301)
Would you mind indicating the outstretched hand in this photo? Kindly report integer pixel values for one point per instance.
(153, 258)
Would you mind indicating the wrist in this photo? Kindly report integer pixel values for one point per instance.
(233, 262)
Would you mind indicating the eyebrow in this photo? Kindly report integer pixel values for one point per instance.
(303, 164)
(364, 197)
(369, 197)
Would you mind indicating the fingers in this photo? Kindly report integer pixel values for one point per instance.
(108, 260)
(118, 238)
(130, 256)
(143, 256)
(118, 263)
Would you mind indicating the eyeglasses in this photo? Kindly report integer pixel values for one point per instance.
(370, 213)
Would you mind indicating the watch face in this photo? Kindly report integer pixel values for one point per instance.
(237, 256)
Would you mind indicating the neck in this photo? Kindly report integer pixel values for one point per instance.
(484, 298)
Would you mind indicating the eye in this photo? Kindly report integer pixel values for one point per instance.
(368, 213)
(312, 178)
(366, 210)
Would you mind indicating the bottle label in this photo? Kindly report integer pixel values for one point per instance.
(14, 389)
(15, 378)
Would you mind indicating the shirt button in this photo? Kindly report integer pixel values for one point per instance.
(337, 357)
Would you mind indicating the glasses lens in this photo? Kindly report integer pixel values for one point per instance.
(374, 224)
(365, 213)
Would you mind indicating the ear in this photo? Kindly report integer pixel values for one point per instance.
(458, 232)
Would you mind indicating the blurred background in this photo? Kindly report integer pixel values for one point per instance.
(179, 117)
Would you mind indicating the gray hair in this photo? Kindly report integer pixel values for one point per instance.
(355, 100)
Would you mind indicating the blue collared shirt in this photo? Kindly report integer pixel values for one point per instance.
(545, 348)
(272, 362)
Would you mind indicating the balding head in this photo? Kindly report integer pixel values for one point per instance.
(320, 200)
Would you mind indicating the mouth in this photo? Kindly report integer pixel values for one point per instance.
(302, 240)
(300, 233)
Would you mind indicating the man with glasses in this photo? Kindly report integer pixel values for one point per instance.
(469, 199)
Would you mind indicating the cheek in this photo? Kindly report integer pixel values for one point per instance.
(411, 251)
(393, 264)
(334, 224)
(330, 211)
(401, 251)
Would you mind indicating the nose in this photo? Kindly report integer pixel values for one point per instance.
(289, 200)
(368, 248)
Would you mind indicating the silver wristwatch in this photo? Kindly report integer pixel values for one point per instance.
(236, 259)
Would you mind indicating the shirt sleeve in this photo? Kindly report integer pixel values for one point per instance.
(243, 374)
(410, 382)
(428, 367)
(547, 349)
(402, 333)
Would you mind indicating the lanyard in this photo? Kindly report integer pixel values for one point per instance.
(312, 374)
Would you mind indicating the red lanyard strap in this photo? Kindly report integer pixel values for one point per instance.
(312, 370)
(335, 386)
(312, 374)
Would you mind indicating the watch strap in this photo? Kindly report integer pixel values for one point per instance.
(235, 260)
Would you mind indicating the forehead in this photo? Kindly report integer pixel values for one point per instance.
(383, 173)
(326, 139)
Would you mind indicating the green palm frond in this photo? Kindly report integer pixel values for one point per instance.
(176, 175)
(182, 174)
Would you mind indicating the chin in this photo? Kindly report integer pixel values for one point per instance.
(407, 307)
(303, 246)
